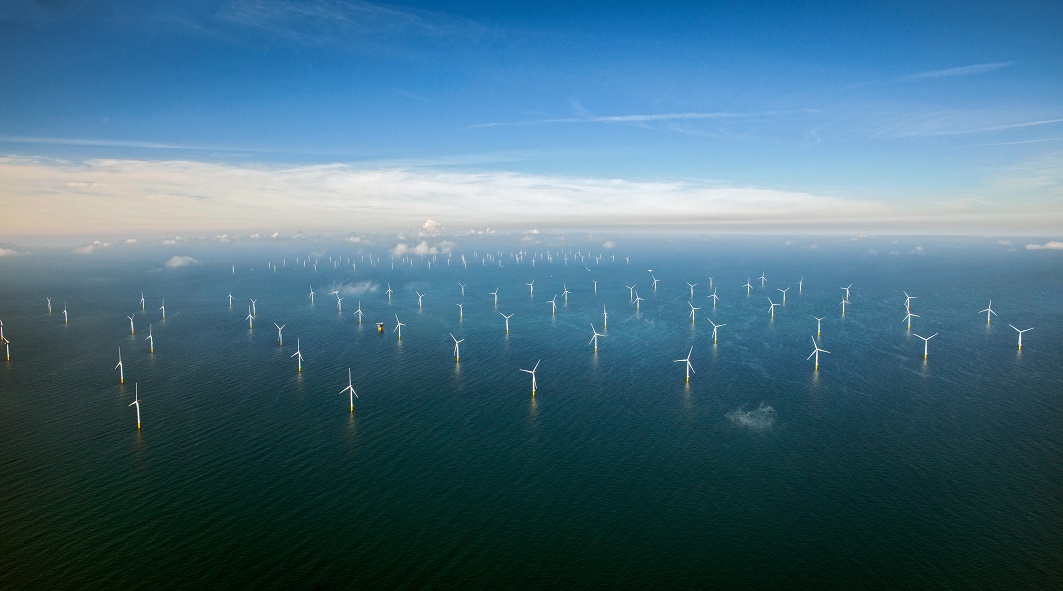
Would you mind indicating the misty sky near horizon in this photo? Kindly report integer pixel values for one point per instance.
(323, 116)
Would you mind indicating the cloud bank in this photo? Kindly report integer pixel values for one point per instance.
(180, 261)
(1050, 245)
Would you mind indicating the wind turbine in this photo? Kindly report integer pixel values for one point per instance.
(141, 302)
(350, 388)
(691, 289)
(819, 323)
(339, 303)
(250, 319)
(843, 306)
(131, 331)
(801, 286)
(49, 305)
(311, 295)
(908, 318)
(419, 296)
(783, 293)
(748, 286)
(7, 348)
(230, 299)
(553, 305)
(655, 282)
(908, 300)
(136, 402)
(507, 320)
(457, 352)
(605, 318)
(151, 341)
(692, 308)
(714, 297)
(595, 286)
(398, 326)
(461, 310)
(989, 311)
(773, 304)
(119, 367)
(494, 293)
(163, 308)
(254, 310)
(565, 292)
(389, 292)
(531, 286)
(280, 335)
(359, 311)
(846, 288)
(532, 372)
(926, 343)
(66, 316)
(594, 338)
(690, 368)
(462, 288)
(1020, 333)
(816, 352)
(637, 300)
(631, 291)
(714, 327)
(298, 354)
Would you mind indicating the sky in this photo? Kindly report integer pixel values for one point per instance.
(261, 116)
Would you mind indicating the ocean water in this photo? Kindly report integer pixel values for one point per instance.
(880, 469)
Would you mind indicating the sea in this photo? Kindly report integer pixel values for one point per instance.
(881, 469)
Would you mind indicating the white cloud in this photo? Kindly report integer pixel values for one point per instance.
(355, 239)
(1051, 245)
(608, 244)
(180, 261)
(8, 252)
(255, 236)
(422, 248)
(91, 248)
(354, 289)
(222, 238)
(431, 228)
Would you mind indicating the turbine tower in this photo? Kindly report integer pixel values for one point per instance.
(816, 352)
(1020, 333)
(690, 368)
(532, 372)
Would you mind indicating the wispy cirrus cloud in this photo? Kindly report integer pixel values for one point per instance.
(956, 72)
(630, 118)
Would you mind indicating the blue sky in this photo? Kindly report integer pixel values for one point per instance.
(328, 116)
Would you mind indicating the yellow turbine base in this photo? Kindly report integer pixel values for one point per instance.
(138, 425)
(688, 380)
(120, 380)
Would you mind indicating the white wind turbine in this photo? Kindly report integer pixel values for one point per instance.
(531, 286)
(462, 289)
(230, 299)
(631, 291)
(1020, 333)
(655, 282)
(66, 316)
(136, 402)
(389, 292)
(553, 305)
(692, 309)
(250, 319)
(690, 368)
(457, 351)
(926, 343)
(532, 372)
(801, 286)
(714, 328)
(311, 295)
(280, 334)
(254, 310)
(49, 305)
(151, 341)
(843, 306)
(816, 352)
(773, 304)
(131, 331)
(714, 297)
(298, 354)
(339, 303)
(605, 318)
(691, 289)
(398, 326)
(141, 303)
(988, 311)
(359, 311)
(908, 319)
(350, 388)
(783, 293)
(163, 308)
(419, 296)
(637, 300)
(762, 279)
(846, 288)
(7, 348)
(907, 300)
(461, 310)
(595, 286)
(494, 293)
(565, 292)
(594, 338)
(119, 367)
(507, 320)
(819, 324)
(748, 286)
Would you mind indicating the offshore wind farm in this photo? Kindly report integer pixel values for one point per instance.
(448, 465)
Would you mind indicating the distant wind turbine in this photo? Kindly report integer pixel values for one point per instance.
(389, 292)
(141, 303)
(714, 328)
(457, 351)
(655, 282)
(49, 305)
(359, 311)
(773, 304)
(66, 316)
(136, 402)
(748, 286)
(507, 320)
(819, 323)
(531, 286)
(119, 367)
(280, 334)
(637, 300)
(846, 288)
(1020, 333)
(494, 293)
(532, 372)
(230, 299)
(691, 289)
(714, 297)
(690, 368)
(605, 318)
(908, 318)
(692, 309)
(398, 326)
(462, 289)
(461, 310)
(594, 338)
(419, 296)
(907, 300)
(926, 343)
(250, 319)
(350, 389)
(151, 341)
(631, 291)
(565, 292)
(163, 308)
(989, 311)
(298, 354)
(816, 352)
(311, 295)
(131, 331)
(783, 293)
(254, 310)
